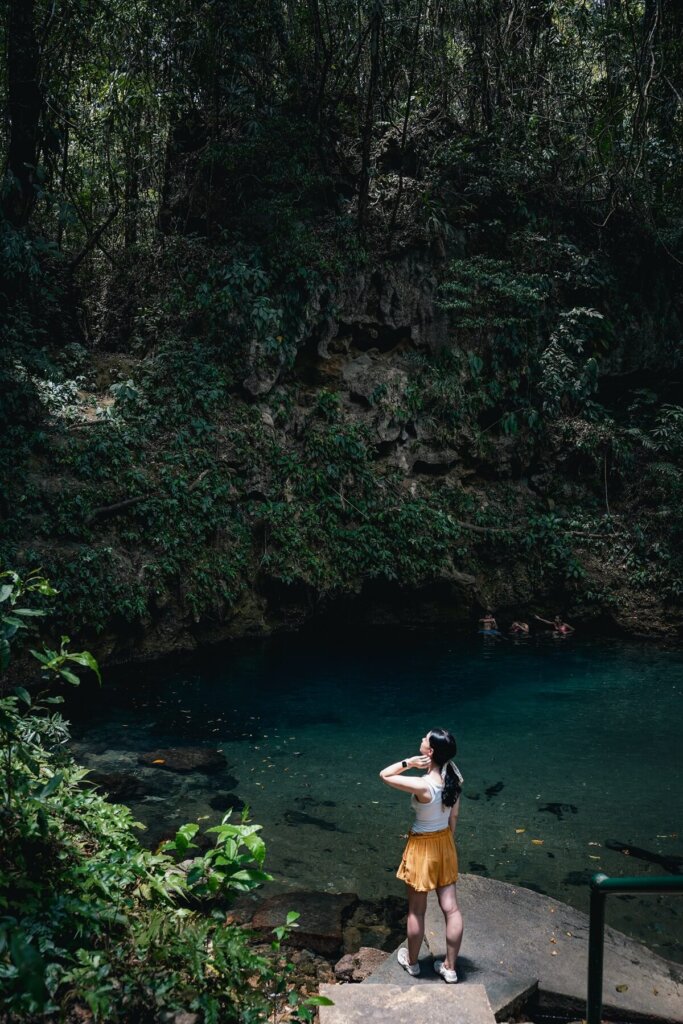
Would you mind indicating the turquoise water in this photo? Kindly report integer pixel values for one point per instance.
(579, 744)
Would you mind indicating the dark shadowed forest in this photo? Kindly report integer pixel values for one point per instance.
(308, 302)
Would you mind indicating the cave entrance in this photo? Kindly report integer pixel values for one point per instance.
(366, 336)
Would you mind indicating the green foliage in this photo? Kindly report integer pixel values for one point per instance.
(667, 433)
(506, 311)
(565, 375)
(14, 589)
(484, 294)
(90, 916)
(87, 916)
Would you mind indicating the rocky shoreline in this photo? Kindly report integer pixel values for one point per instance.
(428, 609)
(530, 951)
(340, 939)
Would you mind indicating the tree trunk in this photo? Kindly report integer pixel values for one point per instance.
(406, 117)
(24, 108)
(614, 76)
(671, 45)
(364, 186)
(131, 192)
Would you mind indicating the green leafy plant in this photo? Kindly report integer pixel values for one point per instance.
(90, 918)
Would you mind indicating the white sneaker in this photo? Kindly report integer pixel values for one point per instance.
(402, 957)
(449, 976)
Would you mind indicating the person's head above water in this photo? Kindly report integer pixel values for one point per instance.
(440, 745)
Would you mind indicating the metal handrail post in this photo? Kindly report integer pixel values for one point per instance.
(601, 887)
(596, 951)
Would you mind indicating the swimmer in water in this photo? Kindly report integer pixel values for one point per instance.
(520, 628)
(488, 624)
(559, 627)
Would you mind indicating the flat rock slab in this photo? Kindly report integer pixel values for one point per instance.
(514, 935)
(185, 759)
(524, 934)
(396, 1004)
(506, 992)
(321, 924)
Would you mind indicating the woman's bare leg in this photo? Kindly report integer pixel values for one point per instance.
(417, 906)
(454, 926)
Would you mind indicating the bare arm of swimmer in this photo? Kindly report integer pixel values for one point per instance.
(392, 776)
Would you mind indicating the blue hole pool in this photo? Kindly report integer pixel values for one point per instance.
(575, 744)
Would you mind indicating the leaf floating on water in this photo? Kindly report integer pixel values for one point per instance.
(520, 830)
(622, 988)
(538, 842)
(159, 760)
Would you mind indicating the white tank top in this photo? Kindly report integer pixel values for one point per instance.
(431, 817)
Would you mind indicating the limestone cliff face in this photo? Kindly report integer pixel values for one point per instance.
(378, 308)
(353, 476)
(363, 346)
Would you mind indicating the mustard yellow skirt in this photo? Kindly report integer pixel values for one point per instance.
(429, 860)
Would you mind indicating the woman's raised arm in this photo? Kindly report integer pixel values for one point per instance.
(392, 775)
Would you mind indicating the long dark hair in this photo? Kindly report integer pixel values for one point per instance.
(444, 748)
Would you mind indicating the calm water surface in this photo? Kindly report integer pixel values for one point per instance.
(575, 744)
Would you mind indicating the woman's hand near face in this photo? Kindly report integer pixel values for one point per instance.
(419, 761)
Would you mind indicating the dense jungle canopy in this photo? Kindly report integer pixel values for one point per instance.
(302, 301)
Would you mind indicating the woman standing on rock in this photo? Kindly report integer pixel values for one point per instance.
(429, 859)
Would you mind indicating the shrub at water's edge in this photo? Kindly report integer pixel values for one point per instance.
(89, 917)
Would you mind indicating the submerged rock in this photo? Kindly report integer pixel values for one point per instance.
(377, 924)
(494, 790)
(226, 802)
(559, 810)
(120, 787)
(184, 759)
(301, 818)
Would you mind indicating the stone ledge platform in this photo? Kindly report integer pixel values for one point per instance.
(517, 943)
(399, 1004)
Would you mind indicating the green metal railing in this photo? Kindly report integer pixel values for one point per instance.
(601, 887)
